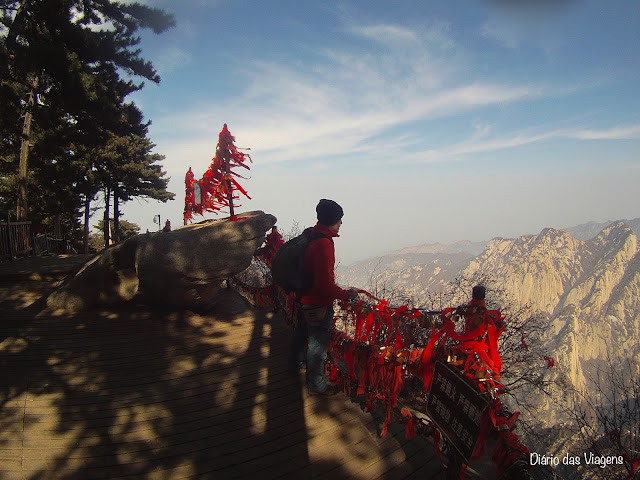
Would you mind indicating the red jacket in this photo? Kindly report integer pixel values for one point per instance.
(319, 258)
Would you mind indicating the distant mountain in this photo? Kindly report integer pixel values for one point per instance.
(415, 273)
(428, 267)
(589, 293)
(589, 289)
(464, 246)
(594, 282)
(415, 270)
(587, 231)
(585, 285)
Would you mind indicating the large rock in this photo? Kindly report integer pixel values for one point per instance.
(183, 268)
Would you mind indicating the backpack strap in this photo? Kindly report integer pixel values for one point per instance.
(315, 236)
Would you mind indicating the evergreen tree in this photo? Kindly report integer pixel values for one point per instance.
(64, 55)
(132, 172)
(127, 230)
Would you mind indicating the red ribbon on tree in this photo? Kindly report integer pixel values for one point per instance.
(218, 183)
(271, 245)
(634, 466)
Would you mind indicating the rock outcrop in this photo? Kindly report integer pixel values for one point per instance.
(586, 292)
(182, 268)
(589, 292)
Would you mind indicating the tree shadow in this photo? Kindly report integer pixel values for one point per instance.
(140, 392)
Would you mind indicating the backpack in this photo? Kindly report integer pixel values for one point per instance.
(287, 268)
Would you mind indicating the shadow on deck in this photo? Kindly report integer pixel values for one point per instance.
(136, 392)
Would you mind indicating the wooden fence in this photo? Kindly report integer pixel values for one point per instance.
(46, 245)
(15, 239)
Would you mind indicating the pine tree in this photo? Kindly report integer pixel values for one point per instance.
(133, 172)
(127, 230)
(53, 55)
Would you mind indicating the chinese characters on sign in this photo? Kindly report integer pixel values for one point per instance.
(456, 407)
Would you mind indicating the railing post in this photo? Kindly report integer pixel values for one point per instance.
(4, 240)
(9, 238)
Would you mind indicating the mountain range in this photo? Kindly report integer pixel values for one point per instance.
(426, 269)
(587, 231)
(582, 282)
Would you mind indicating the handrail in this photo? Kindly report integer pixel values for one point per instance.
(15, 239)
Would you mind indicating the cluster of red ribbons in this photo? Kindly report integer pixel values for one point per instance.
(380, 353)
(271, 245)
(215, 190)
(190, 205)
(380, 346)
(377, 359)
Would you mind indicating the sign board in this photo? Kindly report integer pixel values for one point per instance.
(197, 193)
(456, 406)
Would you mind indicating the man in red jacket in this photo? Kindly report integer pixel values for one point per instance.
(316, 313)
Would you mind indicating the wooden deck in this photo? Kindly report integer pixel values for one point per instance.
(135, 392)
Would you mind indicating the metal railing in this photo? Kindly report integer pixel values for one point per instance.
(46, 245)
(15, 239)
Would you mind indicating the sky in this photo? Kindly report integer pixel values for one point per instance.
(426, 121)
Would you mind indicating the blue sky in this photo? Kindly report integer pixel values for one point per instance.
(427, 121)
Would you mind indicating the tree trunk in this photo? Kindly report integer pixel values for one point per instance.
(116, 215)
(87, 212)
(25, 145)
(107, 195)
(227, 160)
(57, 226)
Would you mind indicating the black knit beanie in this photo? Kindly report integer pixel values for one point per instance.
(478, 292)
(329, 212)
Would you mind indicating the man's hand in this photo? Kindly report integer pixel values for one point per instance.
(353, 293)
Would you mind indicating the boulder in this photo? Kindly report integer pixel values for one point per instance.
(182, 268)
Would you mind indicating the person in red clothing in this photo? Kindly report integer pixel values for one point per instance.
(315, 317)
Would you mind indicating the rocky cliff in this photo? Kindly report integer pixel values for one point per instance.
(586, 291)
(553, 270)
(589, 293)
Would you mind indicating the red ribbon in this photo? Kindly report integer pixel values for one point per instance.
(376, 366)
(635, 465)
(507, 451)
(411, 421)
(271, 245)
(217, 186)
(436, 436)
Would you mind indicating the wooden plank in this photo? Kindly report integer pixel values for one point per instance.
(178, 396)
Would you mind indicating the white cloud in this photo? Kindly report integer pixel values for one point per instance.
(386, 34)
(475, 145)
(504, 34)
(620, 132)
(171, 59)
(291, 115)
(310, 112)
(478, 143)
(341, 102)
